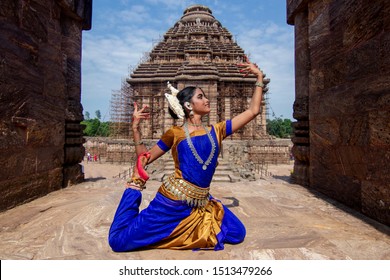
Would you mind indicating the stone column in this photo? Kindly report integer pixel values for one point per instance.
(73, 148)
(301, 140)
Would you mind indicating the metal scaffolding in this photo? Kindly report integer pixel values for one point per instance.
(121, 111)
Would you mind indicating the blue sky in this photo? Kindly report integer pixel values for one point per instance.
(124, 30)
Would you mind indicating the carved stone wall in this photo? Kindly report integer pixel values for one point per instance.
(237, 152)
(40, 80)
(342, 106)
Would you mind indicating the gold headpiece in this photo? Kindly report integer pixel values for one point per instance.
(173, 102)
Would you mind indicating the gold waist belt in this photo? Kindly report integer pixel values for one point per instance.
(185, 191)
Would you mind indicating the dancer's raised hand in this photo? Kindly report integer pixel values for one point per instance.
(139, 114)
(248, 67)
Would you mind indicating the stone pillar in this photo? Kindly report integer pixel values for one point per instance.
(301, 140)
(73, 148)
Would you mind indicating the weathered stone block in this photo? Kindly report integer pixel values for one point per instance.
(35, 89)
(26, 188)
(379, 128)
(363, 60)
(301, 153)
(301, 174)
(376, 200)
(73, 175)
(360, 20)
(301, 108)
(348, 101)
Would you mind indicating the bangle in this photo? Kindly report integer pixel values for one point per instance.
(137, 182)
(259, 84)
(138, 143)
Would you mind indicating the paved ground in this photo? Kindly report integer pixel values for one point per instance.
(283, 221)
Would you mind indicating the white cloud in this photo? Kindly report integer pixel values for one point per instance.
(166, 2)
(272, 47)
(135, 14)
(106, 61)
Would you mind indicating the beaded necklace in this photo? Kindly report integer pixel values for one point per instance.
(193, 150)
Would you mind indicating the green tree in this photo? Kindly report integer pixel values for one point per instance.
(94, 127)
(103, 130)
(98, 114)
(87, 116)
(278, 127)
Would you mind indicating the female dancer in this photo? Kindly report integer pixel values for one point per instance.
(183, 214)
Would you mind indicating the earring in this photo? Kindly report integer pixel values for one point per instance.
(188, 106)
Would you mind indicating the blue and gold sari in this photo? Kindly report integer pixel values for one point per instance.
(172, 220)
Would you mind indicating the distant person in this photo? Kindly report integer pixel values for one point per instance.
(183, 214)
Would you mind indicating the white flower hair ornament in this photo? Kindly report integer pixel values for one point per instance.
(173, 102)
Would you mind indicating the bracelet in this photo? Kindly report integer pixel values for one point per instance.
(259, 84)
(137, 182)
(138, 143)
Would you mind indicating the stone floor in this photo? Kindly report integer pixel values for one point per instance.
(283, 221)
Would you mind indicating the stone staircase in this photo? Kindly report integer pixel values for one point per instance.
(224, 173)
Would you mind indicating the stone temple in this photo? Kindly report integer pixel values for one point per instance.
(196, 51)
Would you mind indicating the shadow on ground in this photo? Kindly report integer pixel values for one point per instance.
(95, 179)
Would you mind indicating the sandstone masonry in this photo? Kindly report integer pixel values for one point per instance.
(40, 80)
(342, 104)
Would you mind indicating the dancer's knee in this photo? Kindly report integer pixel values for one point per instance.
(239, 234)
(115, 243)
(236, 233)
